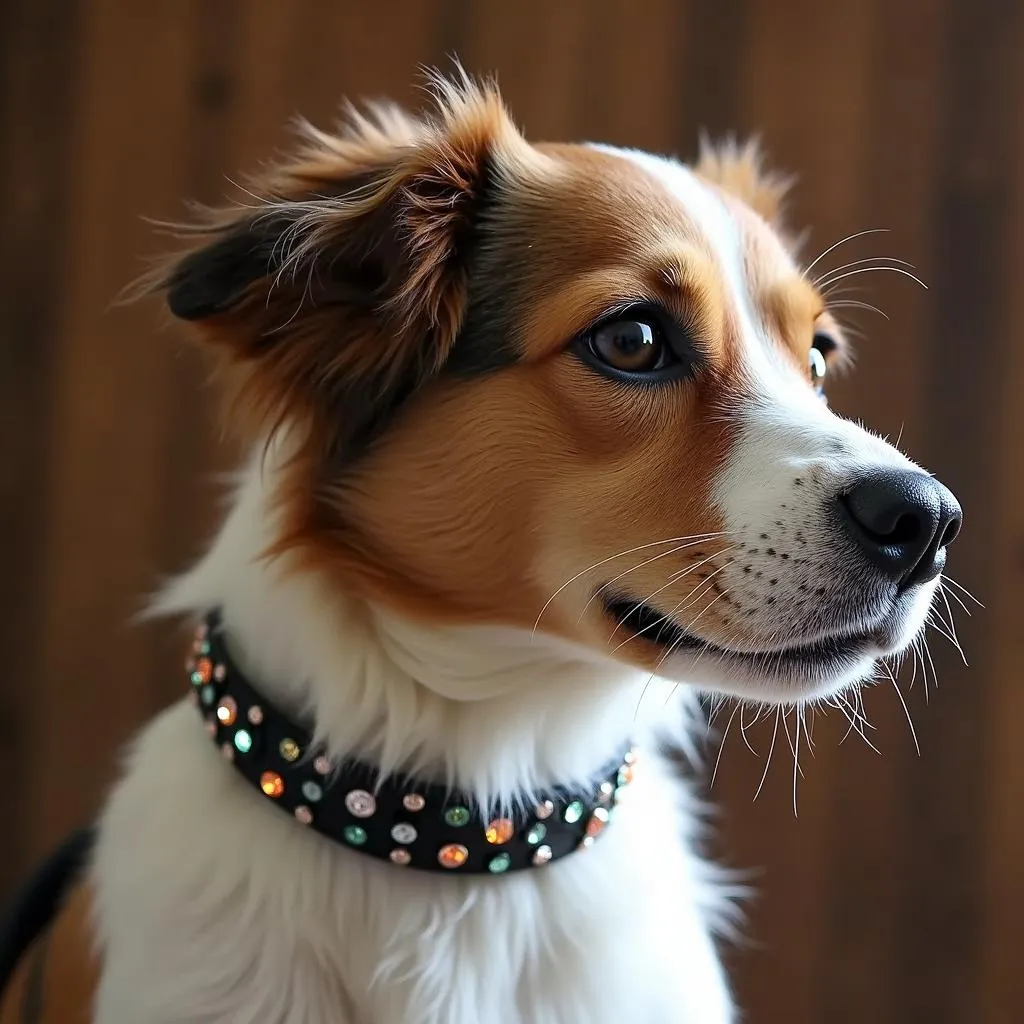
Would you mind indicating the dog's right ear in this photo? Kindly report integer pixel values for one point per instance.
(341, 290)
(738, 168)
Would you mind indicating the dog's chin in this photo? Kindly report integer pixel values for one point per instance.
(798, 671)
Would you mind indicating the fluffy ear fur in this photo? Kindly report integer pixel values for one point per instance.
(342, 290)
(738, 168)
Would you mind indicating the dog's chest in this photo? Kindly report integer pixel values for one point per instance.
(222, 909)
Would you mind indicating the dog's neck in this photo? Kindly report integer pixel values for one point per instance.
(497, 712)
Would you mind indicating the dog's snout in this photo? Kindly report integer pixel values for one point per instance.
(902, 521)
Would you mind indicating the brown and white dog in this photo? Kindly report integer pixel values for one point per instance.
(537, 436)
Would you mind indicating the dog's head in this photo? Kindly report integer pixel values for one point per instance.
(567, 387)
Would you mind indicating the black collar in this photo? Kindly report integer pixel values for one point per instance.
(420, 825)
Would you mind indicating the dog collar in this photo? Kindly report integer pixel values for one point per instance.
(396, 818)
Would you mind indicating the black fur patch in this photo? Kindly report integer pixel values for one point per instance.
(212, 280)
(40, 901)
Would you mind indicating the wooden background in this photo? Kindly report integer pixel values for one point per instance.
(896, 894)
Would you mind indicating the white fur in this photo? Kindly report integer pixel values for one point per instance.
(213, 905)
(786, 434)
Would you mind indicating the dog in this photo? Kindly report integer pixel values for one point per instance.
(538, 454)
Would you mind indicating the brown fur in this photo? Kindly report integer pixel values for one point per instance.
(58, 975)
(477, 498)
(738, 168)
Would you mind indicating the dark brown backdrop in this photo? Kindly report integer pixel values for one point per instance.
(896, 894)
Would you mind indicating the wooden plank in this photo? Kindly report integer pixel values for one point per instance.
(515, 41)
(1002, 888)
(717, 34)
(36, 96)
(115, 413)
(620, 50)
(971, 332)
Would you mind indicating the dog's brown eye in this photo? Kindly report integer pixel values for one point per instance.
(628, 345)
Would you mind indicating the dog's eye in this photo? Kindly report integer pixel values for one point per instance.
(824, 343)
(632, 344)
(641, 344)
(818, 367)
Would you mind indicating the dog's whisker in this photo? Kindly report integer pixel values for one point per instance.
(789, 739)
(671, 693)
(662, 618)
(654, 558)
(643, 693)
(681, 573)
(943, 631)
(931, 662)
(771, 750)
(906, 710)
(716, 704)
(804, 708)
(843, 710)
(654, 674)
(721, 748)
(959, 586)
(708, 645)
(951, 622)
(797, 770)
(955, 596)
(823, 280)
(842, 241)
(673, 578)
(857, 304)
(858, 697)
(869, 270)
(619, 554)
(859, 722)
(919, 652)
(743, 730)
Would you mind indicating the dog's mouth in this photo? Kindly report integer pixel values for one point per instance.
(635, 620)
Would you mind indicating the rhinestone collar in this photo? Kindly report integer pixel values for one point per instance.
(412, 824)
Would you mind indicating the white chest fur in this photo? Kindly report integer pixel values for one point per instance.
(212, 905)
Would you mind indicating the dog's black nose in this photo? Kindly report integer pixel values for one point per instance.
(903, 522)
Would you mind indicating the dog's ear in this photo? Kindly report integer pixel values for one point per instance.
(341, 288)
(738, 168)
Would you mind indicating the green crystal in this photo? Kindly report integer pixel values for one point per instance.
(457, 816)
(197, 678)
(243, 741)
(573, 812)
(208, 694)
(498, 864)
(537, 833)
(312, 791)
(354, 835)
(204, 647)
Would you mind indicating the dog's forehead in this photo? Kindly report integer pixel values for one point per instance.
(655, 219)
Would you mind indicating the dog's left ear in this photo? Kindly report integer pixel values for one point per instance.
(341, 290)
(738, 168)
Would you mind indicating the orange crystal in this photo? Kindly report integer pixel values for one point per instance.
(272, 784)
(499, 831)
(452, 855)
